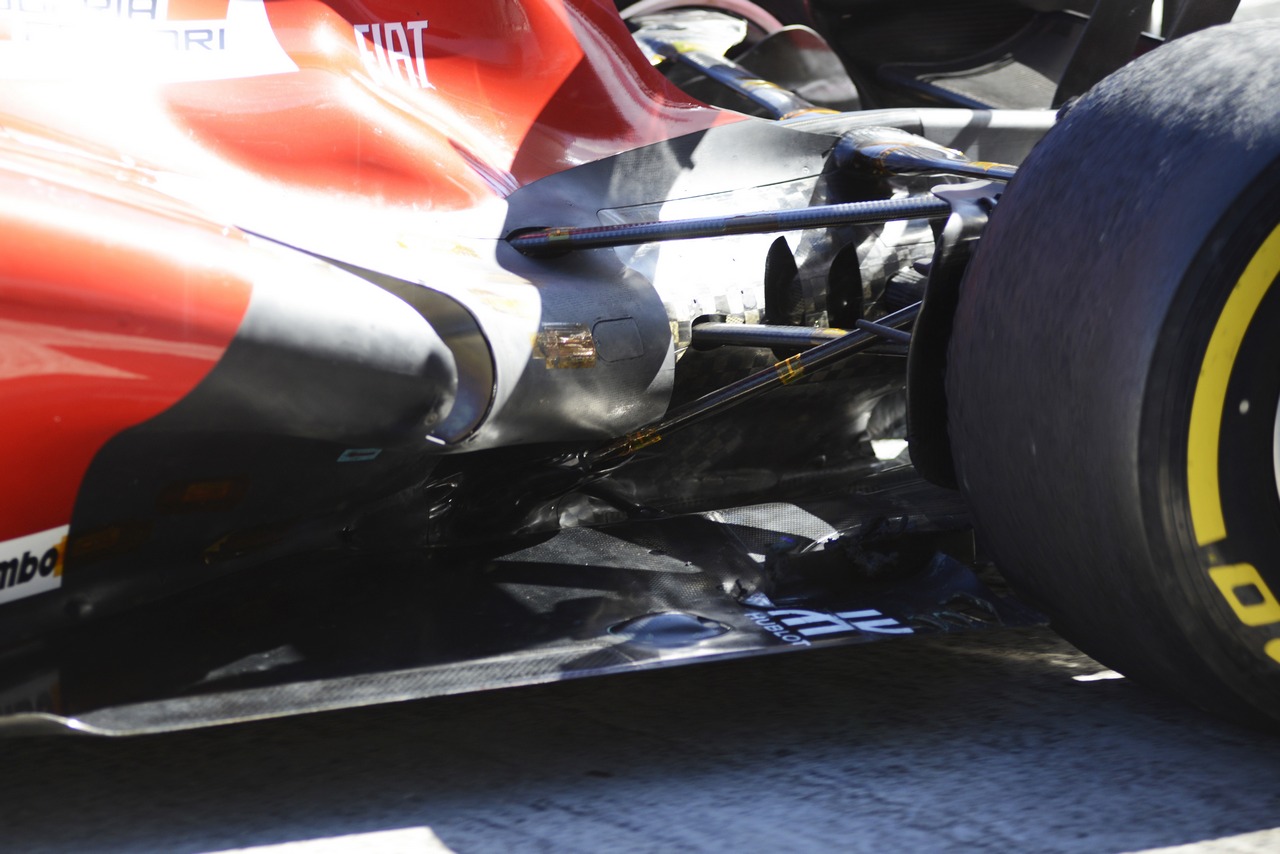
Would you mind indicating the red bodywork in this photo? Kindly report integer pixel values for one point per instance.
(117, 299)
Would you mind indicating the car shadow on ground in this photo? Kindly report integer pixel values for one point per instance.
(984, 741)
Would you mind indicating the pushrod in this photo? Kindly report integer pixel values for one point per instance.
(553, 241)
(783, 373)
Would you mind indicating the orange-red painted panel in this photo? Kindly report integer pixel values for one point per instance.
(437, 102)
(111, 310)
(109, 314)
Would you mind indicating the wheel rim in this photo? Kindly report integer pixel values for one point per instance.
(1275, 447)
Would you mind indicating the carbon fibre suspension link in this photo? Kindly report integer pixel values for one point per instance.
(783, 373)
(553, 241)
(893, 151)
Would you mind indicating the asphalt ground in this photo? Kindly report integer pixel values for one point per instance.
(1002, 740)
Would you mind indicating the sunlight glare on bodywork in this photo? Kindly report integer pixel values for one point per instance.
(1100, 676)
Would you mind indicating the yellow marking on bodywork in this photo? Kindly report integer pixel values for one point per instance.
(565, 345)
(789, 370)
(642, 439)
(808, 111)
(1211, 390)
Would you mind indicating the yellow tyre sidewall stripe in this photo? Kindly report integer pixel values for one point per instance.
(1210, 399)
(1207, 410)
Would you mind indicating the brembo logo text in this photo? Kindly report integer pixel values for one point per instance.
(32, 564)
(393, 50)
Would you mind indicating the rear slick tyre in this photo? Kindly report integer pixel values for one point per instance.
(1114, 372)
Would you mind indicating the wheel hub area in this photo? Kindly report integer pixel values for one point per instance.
(1275, 447)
